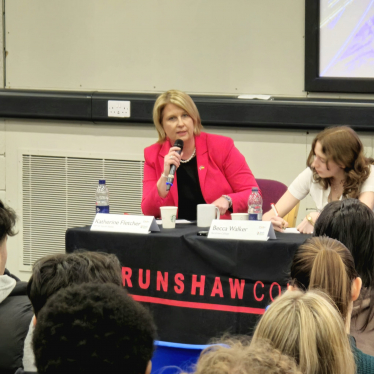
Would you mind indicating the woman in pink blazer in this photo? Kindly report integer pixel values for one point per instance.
(210, 169)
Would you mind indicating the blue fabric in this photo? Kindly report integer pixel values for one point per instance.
(180, 345)
(171, 357)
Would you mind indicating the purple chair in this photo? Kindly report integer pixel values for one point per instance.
(271, 190)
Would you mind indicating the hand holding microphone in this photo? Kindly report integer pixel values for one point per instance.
(173, 160)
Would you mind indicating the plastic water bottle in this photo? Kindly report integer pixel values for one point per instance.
(255, 205)
(102, 197)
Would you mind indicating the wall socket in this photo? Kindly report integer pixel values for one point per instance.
(118, 108)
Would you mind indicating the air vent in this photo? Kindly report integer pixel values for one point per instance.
(59, 193)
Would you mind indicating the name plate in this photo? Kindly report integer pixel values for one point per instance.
(124, 223)
(241, 230)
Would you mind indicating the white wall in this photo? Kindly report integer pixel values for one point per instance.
(2, 124)
(200, 46)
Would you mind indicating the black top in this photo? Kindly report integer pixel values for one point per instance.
(15, 316)
(189, 191)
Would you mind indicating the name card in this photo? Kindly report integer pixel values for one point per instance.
(242, 230)
(124, 223)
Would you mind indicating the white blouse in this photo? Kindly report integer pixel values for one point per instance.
(304, 184)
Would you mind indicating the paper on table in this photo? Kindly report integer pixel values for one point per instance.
(291, 230)
(159, 221)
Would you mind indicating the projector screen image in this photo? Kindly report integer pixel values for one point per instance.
(346, 38)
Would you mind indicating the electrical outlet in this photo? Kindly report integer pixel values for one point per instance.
(118, 108)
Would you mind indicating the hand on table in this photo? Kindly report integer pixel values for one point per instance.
(279, 224)
(222, 204)
(305, 227)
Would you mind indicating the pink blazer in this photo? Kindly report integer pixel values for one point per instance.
(222, 170)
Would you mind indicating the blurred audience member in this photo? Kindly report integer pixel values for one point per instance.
(326, 264)
(15, 307)
(59, 271)
(238, 357)
(93, 328)
(308, 327)
(352, 223)
(51, 273)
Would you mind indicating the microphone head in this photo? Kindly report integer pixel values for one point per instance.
(179, 143)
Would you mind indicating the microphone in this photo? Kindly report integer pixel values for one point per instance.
(169, 182)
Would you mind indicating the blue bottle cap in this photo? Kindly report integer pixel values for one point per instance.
(101, 181)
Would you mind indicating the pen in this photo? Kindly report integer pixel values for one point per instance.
(274, 209)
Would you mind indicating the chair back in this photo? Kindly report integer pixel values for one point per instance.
(272, 191)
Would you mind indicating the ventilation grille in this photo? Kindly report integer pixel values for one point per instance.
(59, 193)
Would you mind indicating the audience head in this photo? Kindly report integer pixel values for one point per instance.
(308, 327)
(93, 328)
(351, 222)
(238, 357)
(183, 101)
(53, 272)
(342, 146)
(7, 222)
(326, 264)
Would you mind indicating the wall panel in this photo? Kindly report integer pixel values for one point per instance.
(200, 46)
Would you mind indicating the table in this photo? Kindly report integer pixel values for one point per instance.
(197, 288)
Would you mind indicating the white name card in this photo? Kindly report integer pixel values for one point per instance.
(124, 223)
(242, 230)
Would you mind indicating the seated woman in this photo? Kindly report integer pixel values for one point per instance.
(308, 327)
(326, 264)
(210, 169)
(337, 168)
(352, 223)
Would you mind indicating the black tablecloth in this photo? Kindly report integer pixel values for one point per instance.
(197, 288)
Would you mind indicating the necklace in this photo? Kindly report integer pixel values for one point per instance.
(336, 186)
(192, 156)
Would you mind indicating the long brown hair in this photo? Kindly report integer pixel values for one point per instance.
(343, 146)
(325, 264)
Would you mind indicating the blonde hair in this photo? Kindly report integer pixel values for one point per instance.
(308, 327)
(237, 356)
(343, 146)
(180, 99)
(326, 264)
